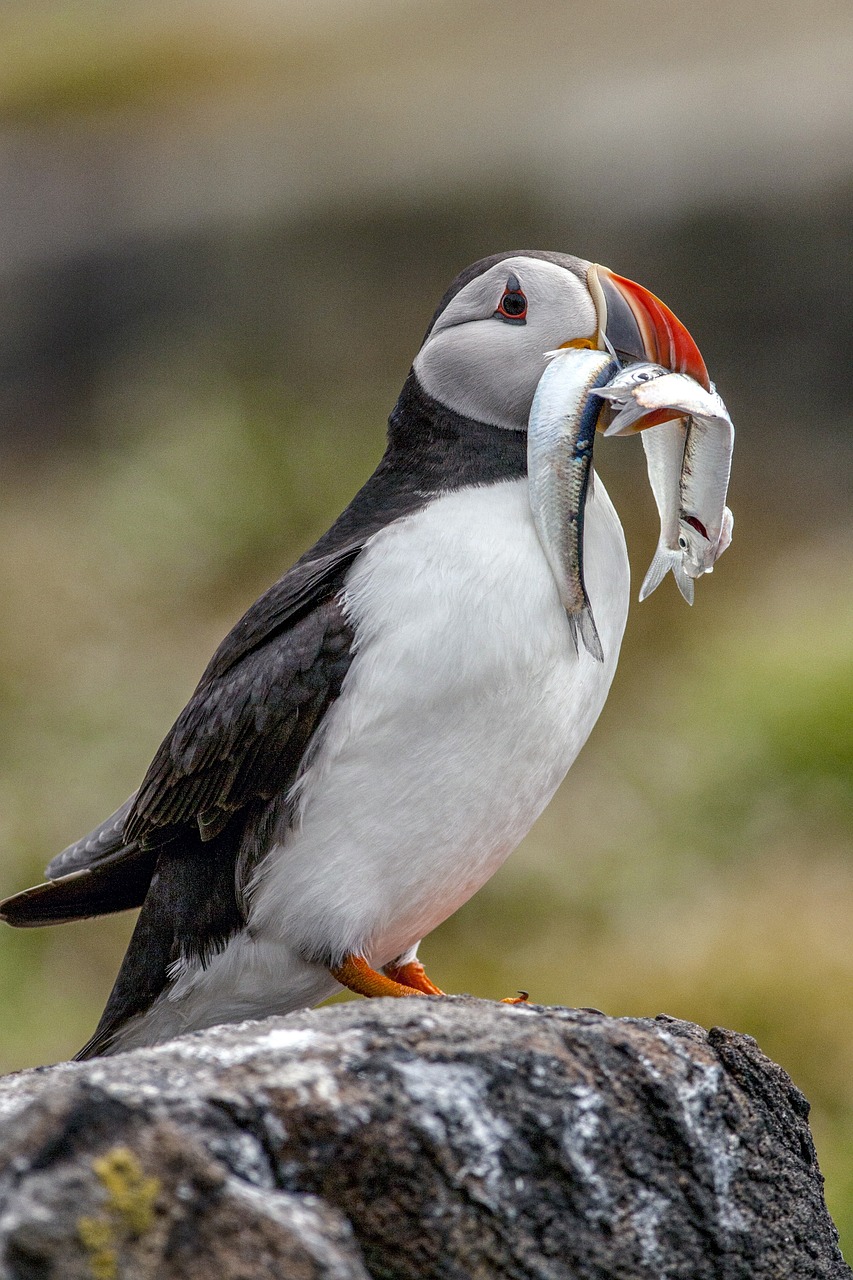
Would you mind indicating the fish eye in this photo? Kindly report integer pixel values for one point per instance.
(682, 542)
(513, 305)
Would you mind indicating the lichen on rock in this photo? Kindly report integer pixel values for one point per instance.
(128, 1211)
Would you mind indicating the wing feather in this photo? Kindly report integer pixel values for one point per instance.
(106, 839)
(242, 734)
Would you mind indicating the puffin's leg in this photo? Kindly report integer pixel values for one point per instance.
(412, 974)
(355, 973)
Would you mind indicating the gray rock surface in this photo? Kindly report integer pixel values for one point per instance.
(416, 1138)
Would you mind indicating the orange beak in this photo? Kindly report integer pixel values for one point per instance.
(638, 326)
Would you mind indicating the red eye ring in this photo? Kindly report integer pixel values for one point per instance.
(513, 306)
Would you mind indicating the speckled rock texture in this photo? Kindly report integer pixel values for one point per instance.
(412, 1139)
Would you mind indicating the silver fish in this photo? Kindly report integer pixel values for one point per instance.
(664, 448)
(560, 438)
(704, 485)
(704, 528)
(620, 394)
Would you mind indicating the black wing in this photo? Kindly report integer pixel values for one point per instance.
(237, 744)
(242, 735)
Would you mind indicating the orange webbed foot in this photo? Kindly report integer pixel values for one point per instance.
(356, 974)
(413, 975)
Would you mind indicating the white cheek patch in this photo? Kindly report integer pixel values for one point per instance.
(488, 370)
(483, 370)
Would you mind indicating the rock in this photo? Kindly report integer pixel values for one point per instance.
(407, 1139)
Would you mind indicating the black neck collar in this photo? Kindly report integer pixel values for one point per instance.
(431, 450)
(446, 450)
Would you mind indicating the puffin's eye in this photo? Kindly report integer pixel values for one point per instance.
(513, 304)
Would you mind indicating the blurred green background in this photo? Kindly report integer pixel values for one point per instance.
(224, 228)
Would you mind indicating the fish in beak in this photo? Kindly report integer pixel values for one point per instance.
(636, 325)
(560, 439)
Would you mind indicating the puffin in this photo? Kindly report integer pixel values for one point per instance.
(384, 724)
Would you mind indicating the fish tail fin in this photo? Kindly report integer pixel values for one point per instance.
(626, 417)
(683, 581)
(663, 561)
(583, 627)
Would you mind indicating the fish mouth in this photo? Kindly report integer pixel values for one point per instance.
(635, 324)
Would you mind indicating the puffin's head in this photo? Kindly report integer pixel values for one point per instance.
(484, 351)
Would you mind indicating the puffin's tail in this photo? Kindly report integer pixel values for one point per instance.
(96, 875)
(117, 883)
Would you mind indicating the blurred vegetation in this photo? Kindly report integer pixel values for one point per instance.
(188, 400)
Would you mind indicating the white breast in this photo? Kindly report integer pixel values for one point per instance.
(460, 714)
(463, 709)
